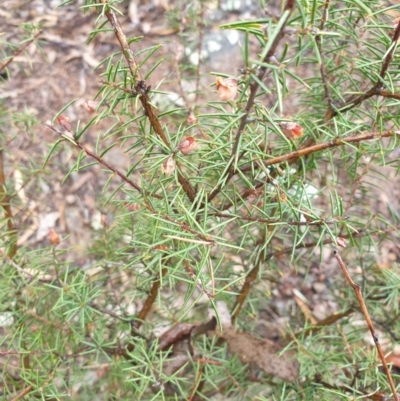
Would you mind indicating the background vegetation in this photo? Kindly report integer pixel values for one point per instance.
(193, 234)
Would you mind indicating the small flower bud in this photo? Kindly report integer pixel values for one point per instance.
(188, 145)
(64, 122)
(191, 118)
(91, 106)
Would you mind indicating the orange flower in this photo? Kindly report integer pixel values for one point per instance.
(227, 88)
(54, 238)
(291, 130)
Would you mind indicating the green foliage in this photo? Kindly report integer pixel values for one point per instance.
(241, 214)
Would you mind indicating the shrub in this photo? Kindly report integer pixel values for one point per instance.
(214, 266)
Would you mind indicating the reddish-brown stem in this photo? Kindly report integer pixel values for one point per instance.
(5, 63)
(100, 160)
(364, 310)
(290, 157)
(354, 101)
(22, 393)
(142, 90)
(196, 382)
(149, 300)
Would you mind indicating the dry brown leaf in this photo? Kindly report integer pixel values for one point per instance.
(263, 353)
(168, 167)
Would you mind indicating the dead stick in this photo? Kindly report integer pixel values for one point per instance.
(150, 299)
(364, 310)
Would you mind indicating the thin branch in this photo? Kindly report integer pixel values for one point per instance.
(377, 89)
(5, 203)
(319, 222)
(102, 162)
(142, 89)
(318, 40)
(22, 393)
(253, 273)
(290, 157)
(200, 25)
(364, 310)
(150, 299)
(4, 64)
(389, 95)
(389, 56)
(254, 86)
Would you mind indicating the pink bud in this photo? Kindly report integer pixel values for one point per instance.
(91, 105)
(191, 118)
(188, 145)
(64, 122)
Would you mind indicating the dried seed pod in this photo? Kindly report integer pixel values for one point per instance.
(168, 166)
(227, 88)
(174, 334)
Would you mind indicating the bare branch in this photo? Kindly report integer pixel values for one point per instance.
(4, 64)
(364, 310)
